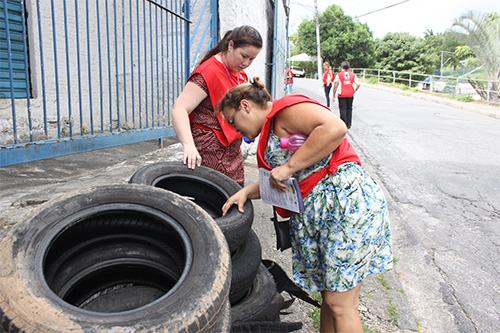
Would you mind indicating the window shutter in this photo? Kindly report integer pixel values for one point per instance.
(17, 45)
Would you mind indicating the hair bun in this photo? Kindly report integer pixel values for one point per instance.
(257, 83)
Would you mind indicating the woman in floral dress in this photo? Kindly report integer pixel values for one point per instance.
(343, 234)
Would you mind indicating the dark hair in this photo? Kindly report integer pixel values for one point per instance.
(345, 64)
(254, 91)
(241, 36)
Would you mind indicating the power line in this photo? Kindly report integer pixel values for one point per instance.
(378, 10)
(373, 11)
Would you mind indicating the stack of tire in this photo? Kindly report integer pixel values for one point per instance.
(152, 255)
(253, 295)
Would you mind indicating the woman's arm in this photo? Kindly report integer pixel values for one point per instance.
(239, 198)
(191, 96)
(325, 133)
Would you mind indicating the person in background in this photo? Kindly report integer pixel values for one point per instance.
(328, 78)
(343, 234)
(349, 84)
(289, 81)
(206, 139)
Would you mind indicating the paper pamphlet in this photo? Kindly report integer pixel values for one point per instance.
(290, 199)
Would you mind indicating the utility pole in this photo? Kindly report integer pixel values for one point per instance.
(320, 62)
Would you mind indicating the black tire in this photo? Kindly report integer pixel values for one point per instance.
(245, 262)
(115, 258)
(262, 302)
(206, 187)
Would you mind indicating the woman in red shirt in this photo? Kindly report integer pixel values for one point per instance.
(206, 139)
(328, 77)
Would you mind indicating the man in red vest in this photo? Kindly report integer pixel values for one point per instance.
(349, 84)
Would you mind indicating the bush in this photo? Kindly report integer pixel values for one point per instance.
(464, 98)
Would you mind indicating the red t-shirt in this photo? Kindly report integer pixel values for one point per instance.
(289, 76)
(325, 76)
(346, 80)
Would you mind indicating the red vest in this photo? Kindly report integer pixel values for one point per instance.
(218, 83)
(346, 81)
(325, 75)
(343, 154)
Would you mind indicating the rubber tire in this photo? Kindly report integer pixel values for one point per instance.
(262, 303)
(206, 187)
(198, 302)
(245, 262)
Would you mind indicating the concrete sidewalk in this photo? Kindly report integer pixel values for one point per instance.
(25, 187)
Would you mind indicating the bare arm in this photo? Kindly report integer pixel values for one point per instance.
(239, 198)
(190, 97)
(356, 82)
(325, 133)
(335, 86)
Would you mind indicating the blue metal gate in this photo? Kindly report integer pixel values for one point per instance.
(84, 75)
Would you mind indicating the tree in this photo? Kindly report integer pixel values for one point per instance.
(341, 39)
(401, 51)
(443, 42)
(481, 32)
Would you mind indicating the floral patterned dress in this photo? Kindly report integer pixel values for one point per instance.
(343, 235)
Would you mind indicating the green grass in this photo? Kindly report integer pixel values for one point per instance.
(315, 314)
(464, 98)
(393, 311)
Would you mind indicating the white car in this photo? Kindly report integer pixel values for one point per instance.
(298, 71)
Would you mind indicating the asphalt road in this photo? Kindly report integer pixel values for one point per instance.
(439, 164)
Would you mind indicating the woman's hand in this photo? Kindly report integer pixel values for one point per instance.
(191, 157)
(239, 198)
(278, 175)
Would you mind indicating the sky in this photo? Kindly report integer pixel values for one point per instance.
(413, 16)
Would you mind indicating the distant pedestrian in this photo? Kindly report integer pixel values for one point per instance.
(349, 84)
(289, 81)
(328, 78)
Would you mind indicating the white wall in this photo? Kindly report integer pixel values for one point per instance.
(256, 13)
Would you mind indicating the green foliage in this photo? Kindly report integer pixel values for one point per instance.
(464, 98)
(464, 52)
(341, 39)
(403, 52)
(481, 32)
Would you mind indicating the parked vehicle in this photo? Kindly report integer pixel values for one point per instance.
(298, 71)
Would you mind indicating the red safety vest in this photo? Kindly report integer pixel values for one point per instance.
(343, 154)
(325, 76)
(218, 83)
(346, 81)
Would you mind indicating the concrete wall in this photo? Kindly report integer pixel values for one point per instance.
(258, 14)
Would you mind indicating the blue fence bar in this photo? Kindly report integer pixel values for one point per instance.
(98, 74)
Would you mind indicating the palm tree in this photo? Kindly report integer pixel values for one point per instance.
(481, 32)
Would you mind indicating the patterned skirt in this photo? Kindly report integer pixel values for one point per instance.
(343, 235)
